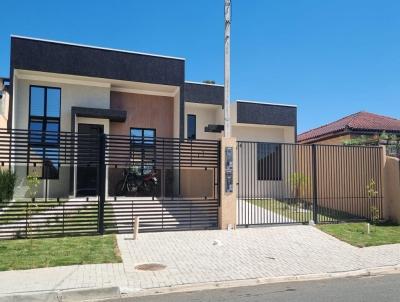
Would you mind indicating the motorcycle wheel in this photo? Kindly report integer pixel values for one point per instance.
(131, 187)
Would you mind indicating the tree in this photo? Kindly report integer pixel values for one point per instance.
(209, 82)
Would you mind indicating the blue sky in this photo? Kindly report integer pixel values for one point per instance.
(330, 58)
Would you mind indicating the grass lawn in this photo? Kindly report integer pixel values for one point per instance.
(292, 212)
(19, 254)
(356, 233)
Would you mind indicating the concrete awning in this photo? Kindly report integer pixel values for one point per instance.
(111, 114)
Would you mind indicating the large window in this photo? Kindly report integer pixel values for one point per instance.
(191, 126)
(44, 124)
(269, 161)
(143, 147)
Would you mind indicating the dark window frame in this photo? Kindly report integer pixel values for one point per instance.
(195, 126)
(44, 144)
(269, 161)
(143, 148)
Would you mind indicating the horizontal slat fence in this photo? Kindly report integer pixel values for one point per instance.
(186, 194)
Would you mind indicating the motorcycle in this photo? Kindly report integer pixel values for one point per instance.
(135, 182)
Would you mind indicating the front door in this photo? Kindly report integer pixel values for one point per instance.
(87, 175)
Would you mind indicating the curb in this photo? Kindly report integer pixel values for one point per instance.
(120, 294)
(384, 270)
(71, 295)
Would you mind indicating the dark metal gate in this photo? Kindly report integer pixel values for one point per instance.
(186, 193)
(291, 183)
(45, 200)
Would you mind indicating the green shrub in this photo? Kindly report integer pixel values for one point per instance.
(299, 182)
(8, 180)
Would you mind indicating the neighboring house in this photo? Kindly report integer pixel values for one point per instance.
(58, 86)
(353, 126)
(4, 101)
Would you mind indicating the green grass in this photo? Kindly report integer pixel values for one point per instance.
(356, 233)
(36, 253)
(291, 211)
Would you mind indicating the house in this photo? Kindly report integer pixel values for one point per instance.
(352, 126)
(65, 87)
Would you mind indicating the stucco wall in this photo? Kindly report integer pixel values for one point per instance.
(227, 209)
(247, 153)
(71, 95)
(4, 102)
(392, 188)
(205, 115)
(272, 134)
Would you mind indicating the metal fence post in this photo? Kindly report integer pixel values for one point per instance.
(315, 183)
(101, 183)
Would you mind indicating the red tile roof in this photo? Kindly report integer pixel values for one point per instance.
(358, 121)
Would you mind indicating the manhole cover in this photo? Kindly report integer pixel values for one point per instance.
(150, 267)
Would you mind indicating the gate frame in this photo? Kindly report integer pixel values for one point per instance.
(335, 214)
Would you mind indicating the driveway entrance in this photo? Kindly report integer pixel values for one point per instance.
(291, 183)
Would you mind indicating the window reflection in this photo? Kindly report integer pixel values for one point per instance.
(44, 126)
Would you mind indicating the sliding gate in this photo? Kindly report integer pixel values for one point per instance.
(176, 186)
(291, 183)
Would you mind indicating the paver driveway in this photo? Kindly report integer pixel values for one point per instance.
(192, 257)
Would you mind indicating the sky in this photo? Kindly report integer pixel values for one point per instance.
(330, 58)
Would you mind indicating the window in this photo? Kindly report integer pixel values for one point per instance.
(191, 126)
(269, 161)
(143, 147)
(44, 126)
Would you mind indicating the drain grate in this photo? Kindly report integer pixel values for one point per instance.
(150, 267)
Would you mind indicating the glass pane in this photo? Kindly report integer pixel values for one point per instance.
(35, 137)
(149, 136)
(53, 102)
(136, 132)
(191, 126)
(137, 135)
(269, 165)
(51, 126)
(52, 132)
(36, 155)
(37, 101)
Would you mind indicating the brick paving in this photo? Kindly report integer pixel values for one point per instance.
(193, 257)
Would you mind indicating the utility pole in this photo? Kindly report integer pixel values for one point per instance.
(227, 80)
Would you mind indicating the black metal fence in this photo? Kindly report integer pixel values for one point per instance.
(69, 183)
(76, 184)
(290, 183)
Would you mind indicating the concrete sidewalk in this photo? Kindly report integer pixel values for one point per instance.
(194, 258)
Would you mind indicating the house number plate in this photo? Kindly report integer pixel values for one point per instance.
(228, 169)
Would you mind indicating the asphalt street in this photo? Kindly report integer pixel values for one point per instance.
(361, 289)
